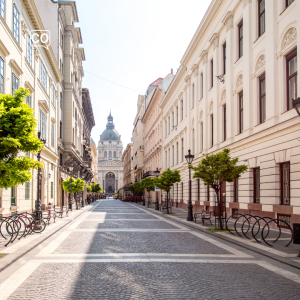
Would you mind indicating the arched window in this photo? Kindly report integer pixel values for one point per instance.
(109, 153)
(105, 154)
(115, 154)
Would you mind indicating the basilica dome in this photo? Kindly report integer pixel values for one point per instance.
(110, 133)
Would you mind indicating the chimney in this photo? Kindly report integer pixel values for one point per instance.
(172, 71)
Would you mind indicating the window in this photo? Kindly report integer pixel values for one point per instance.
(166, 128)
(110, 154)
(291, 77)
(176, 115)
(29, 51)
(285, 218)
(224, 122)
(28, 100)
(2, 8)
(169, 158)
(241, 112)
(198, 189)
(13, 197)
(169, 125)
(201, 138)
(52, 135)
(1, 75)
(236, 190)
(115, 154)
(182, 150)
(15, 83)
(166, 155)
(52, 167)
(285, 183)
(173, 123)
(53, 95)
(181, 106)
(261, 17)
(43, 125)
(212, 129)
(262, 98)
(241, 38)
(193, 138)
(177, 148)
(16, 23)
(60, 100)
(193, 95)
(288, 2)
(27, 190)
(256, 185)
(224, 58)
(60, 160)
(105, 153)
(43, 76)
(207, 192)
(60, 129)
(173, 153)
(52, 190)
(212, 73)
(201, 81)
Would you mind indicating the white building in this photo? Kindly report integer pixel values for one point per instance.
(110, 167)
(253, 45)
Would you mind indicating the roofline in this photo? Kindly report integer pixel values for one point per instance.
(74, 8)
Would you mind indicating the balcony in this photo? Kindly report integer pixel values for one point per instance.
(149, 174)
(141, 148)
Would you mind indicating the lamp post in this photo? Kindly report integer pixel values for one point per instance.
(189, 158)
(38, 210)
(296, 105)
(71, 167)
(156, 173)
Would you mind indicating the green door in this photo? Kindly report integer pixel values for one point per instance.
(13, 197)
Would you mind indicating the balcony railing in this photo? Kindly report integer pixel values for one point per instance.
(148, 174)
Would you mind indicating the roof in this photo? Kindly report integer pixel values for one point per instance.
(110, 133)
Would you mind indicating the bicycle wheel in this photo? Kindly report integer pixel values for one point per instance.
(38, 226)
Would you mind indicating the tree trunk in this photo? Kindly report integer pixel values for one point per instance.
(167, 202)
(148, 198)
(219, 212)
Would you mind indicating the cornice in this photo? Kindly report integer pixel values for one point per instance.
(16, 67)
(3, 49)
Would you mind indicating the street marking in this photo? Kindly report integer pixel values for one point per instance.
(15, 280)
(129, 229)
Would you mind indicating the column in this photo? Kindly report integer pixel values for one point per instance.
(205, 101)
(196, 114)
(272, 110)
(229, 75)
(216, 110)
(298, 40)
(247, 67)
(188, 112)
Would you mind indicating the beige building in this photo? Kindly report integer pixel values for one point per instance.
(152, 121)
(30, 65)
(250, 112)
(94, 162)
(128, 176)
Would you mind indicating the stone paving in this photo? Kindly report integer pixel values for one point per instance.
(120, 251)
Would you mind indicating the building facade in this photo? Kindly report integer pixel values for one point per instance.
(110, 168)
(32, 66)
(94, 165)
(152, 121)
(234, 89)
(128, 176)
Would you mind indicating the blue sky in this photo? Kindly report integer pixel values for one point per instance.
(131, 43)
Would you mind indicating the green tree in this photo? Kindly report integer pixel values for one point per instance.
(217, 168)
(77, 186)
(88, 189)
(166, 181)
(137, 187)
(148, 184)
(17, 134)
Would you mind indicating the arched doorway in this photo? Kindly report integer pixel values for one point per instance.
(110, 183)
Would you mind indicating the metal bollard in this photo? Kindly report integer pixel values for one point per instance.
(296, 234)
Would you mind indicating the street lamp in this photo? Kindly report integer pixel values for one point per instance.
(71, 167)
(38, 210)
(296, 105)
(156, 173)
(189, 158)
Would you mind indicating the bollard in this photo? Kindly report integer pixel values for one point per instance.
(296, 234)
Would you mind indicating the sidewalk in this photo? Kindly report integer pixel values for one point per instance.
(279, 252)
(20, 247)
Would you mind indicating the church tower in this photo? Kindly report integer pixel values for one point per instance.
(110, 167)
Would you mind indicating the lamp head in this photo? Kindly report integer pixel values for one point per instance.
(189, 158)
(71, 167)
(156, 172)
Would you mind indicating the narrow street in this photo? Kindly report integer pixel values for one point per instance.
(117, 250)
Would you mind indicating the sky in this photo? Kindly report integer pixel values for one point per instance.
(131, 43)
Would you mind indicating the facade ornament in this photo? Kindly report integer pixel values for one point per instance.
(211, 106)
(239, 81)
(50, 82)
(223, 97)
(201, 115)
(24, 28)
(193, 121)
(260, 63)
(289, 37)
(36, 53)
(228, 21)
(215, 40)
(246, 2)
(56, 94)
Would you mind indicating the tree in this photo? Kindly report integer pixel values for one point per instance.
(131, 188)
(77, 186)
(88, 189)
(137, 188)
(17, 134)
(96, 188)
(217, 168)
(148, 184)
(166, 181)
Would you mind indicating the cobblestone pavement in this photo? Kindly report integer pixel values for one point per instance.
(123, 251)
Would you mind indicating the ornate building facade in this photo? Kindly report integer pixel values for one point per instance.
(110, 167)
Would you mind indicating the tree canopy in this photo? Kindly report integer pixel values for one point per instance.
(96, 188)
(17, 135)
(148, 184)
(137, 187)
(77, 185)
(88, 189)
